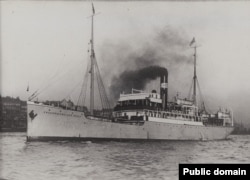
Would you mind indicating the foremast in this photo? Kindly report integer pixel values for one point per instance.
(96, 83)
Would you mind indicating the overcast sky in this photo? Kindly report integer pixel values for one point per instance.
(44, 44)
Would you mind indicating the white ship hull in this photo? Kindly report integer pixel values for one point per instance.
(52, 123)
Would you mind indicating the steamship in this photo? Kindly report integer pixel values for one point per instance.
(138, 115)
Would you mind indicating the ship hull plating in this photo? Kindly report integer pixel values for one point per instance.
(52, 123)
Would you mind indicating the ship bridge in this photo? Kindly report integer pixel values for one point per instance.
(138, 99)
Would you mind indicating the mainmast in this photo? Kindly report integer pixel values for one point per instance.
(195, 77)
(92, 57)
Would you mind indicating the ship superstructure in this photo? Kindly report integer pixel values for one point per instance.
(138, 107)
(138, 115)
(141, 106)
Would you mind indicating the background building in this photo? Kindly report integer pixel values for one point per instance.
(13, 114)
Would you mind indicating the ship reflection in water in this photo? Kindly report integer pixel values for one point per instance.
(111, 160)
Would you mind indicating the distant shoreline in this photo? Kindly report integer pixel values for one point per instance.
(12, 130)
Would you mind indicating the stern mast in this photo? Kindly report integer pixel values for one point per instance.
(92, 56)
(195, 81)
(195, 77)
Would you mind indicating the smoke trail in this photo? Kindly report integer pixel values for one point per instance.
(136, 79)
(125, 60)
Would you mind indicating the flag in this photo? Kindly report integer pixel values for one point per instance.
(192, 42)
(93, 8)
(28, 87)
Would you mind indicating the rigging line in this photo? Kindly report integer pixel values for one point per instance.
(52, 76)
(83, 93)
(80, 101)
(33, 95)
(106, 107)
(102, 94)
(55, 74)
(79, 98)
(105, 95)
(104, 91)
(74, 88)
(86, 80)
(105, 98)
(202, 97)
(55, 81)
(99, 88)
(82, 96)
(190, 90)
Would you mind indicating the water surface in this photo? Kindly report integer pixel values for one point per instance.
(65, 160)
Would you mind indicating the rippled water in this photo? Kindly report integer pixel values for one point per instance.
(111, 160)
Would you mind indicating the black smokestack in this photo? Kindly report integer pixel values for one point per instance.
(136, 79)
(164, 90)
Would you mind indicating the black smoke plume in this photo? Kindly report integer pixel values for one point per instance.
(127, 61)
(136, 79)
